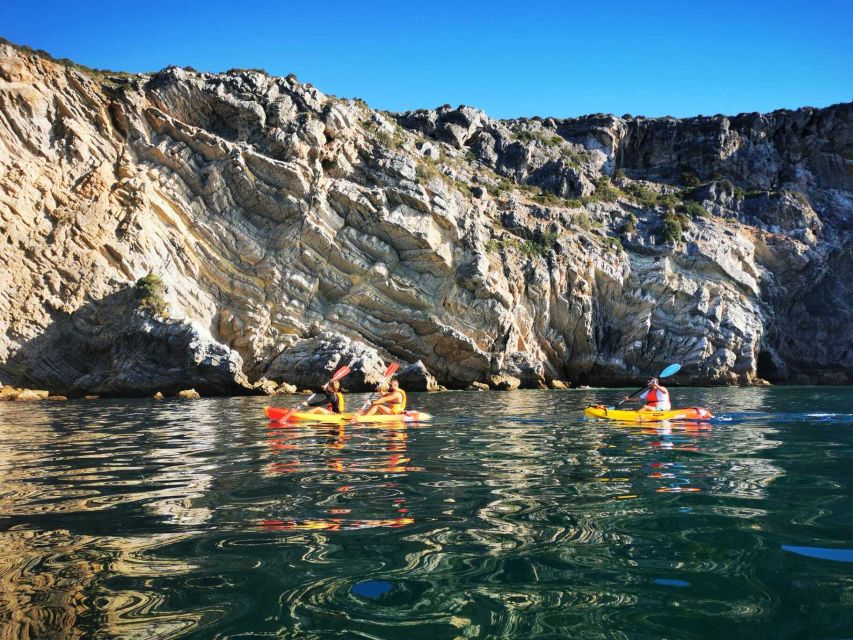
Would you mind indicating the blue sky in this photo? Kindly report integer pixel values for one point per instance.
(510, 58)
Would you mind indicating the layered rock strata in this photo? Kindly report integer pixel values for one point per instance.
(297, 232)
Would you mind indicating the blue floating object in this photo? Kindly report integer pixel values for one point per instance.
(838, 555)
(669, 582)
(371, 588)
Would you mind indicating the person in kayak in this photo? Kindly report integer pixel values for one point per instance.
(656, 397)
(332, 398)
(392, 403)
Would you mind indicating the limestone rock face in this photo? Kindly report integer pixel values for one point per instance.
(110, 348)
(415, 377)
(296, 232)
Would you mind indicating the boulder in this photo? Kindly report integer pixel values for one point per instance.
(310, 362)
(158, 396)
(9, 393)
(285, 389)
(31, 394)
(478, 386)
(504, 383)
(57, 398)
(266, 386)
(189, 394)
(558, 384)
(415, 377)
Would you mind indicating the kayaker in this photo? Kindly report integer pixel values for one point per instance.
(392, 403)
(656, 397)
(332, 398)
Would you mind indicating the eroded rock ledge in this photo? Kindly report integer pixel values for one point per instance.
(296, 231)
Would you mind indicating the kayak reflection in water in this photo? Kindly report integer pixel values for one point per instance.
(395, 399)
(656, 397)
(332, 398)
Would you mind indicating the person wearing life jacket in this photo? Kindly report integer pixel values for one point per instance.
(656, 397)
(392, 403)
(332, 400)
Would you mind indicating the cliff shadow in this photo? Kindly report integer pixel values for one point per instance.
(114, 347)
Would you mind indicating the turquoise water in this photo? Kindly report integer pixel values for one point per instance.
(510, 516)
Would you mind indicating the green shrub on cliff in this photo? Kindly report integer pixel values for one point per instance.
(670, 229)
(605, 191)
(642, 196)
(65, 62)
(668, 201)
(541, 245)
(463, 188)
(742, 194)
(612, 244)
(500, 186)
(546, 138)
(427, 169)
(389, 140)
(651, 199)
(689, 178)
(546, 197)
(693, 209)
(573, 157)
(149, 291)
(581, 219)
(233, 71)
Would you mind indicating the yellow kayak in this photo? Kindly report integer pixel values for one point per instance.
(286, 415)
(690, 413)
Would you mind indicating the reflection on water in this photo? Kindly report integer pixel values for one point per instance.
(345, 450)
(509, 516)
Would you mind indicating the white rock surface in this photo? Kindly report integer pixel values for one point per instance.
(296, 231)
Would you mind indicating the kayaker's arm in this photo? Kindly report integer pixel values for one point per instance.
(388, 398)
(320, 401)
(636, 398)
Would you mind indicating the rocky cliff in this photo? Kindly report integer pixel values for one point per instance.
(294, 231)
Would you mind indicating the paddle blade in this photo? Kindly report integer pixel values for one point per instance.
(391, 370)
(670, 370)
(340, 373)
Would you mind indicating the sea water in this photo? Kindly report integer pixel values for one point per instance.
(509, 516)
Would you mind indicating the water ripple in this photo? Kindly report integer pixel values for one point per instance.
(140, 519)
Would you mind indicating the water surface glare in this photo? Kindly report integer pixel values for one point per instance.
(509, 516)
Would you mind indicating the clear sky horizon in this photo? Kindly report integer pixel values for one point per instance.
(511, 59)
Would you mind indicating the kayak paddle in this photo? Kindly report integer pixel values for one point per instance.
(340, 373)
(390, 371)
(670, 370)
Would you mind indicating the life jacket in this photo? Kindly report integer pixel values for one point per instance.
(658, 399)
(340, 407)
(399, 408)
